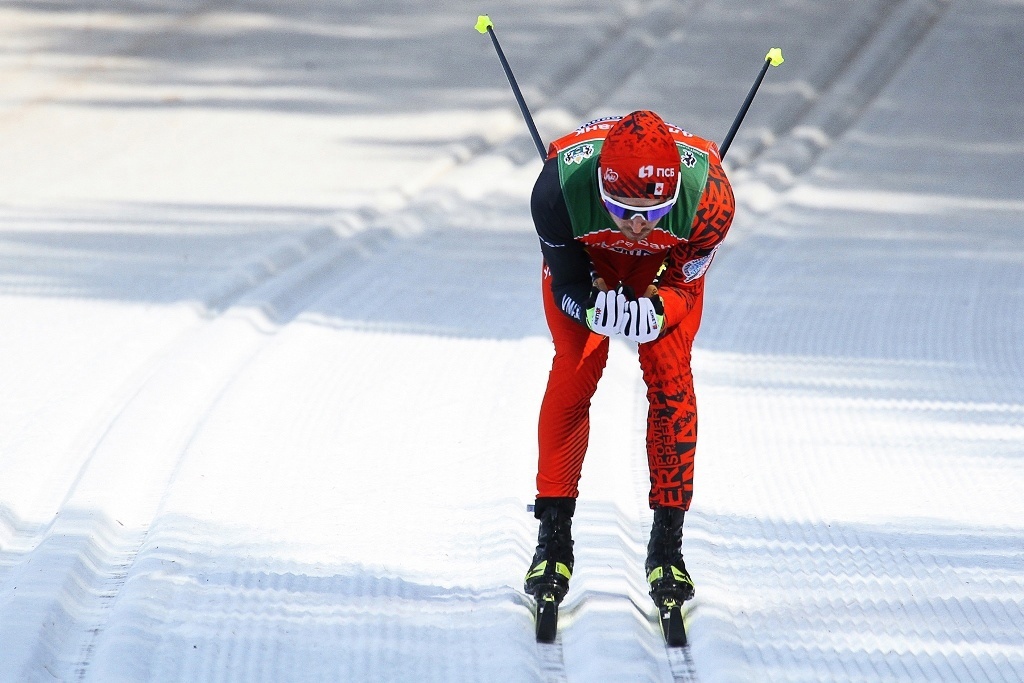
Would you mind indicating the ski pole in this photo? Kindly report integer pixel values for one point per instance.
(484, 25)
(773, 58)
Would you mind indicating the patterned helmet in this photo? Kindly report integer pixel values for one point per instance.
(639, 158)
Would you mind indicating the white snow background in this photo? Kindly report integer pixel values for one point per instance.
(272, 347)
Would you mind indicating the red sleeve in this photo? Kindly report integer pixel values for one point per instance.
(681, 281)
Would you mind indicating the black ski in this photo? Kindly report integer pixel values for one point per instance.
(547, 617)
(671, 615)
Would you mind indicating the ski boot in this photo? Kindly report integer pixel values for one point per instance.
(548, 577)
(667, 577)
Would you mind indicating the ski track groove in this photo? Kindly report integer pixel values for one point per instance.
(680, 660)
(279, 260)
(855, 35)
(606, 73)
(242, 602)
(869, 64)
(93, 569)
(552, 661)
(681, 664)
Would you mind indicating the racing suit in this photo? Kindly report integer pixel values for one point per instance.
(579, 245)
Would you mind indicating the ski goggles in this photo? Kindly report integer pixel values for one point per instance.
(627, 212)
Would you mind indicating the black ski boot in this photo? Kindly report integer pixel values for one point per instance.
(549, 574)
(667, 577)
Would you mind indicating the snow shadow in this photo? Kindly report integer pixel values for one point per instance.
(153, 253)
(399, 273)
(459, 281)
(910, 306)
(914, 600)
(355, 56)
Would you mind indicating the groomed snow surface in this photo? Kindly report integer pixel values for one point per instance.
(272, 348)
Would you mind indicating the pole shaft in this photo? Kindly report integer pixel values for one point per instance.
(743, 110)
(519, 95)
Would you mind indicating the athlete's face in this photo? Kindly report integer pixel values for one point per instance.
(637, 227)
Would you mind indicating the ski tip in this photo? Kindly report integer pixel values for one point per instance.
(774, 56)
(676, 639)
(672, 626)
(483, 22)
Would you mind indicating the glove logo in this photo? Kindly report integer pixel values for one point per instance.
(610, 176)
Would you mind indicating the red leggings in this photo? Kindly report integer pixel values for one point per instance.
(579, 361)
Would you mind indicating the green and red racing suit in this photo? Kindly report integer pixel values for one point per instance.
(581, 243)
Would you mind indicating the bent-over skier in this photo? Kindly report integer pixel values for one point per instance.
(630, 211)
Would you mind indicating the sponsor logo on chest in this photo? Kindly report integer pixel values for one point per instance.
(658, 241)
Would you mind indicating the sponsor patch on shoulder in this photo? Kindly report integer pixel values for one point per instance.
(603, 123)
(697, 267)
(578, 154)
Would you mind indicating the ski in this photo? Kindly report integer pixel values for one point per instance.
(546, 617)
(670, 613)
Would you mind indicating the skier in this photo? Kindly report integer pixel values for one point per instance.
(630, 211)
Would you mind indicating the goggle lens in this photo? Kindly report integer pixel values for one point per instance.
(622, 211)
(628, 213)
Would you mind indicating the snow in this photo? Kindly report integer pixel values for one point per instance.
(273, 350)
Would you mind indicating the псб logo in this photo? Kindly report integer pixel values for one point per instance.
(651, 172)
